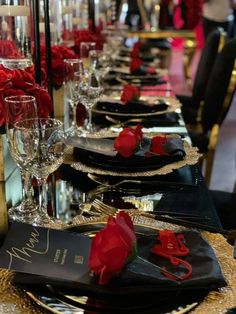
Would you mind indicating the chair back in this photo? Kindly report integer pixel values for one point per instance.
(213, 45)
(220, 87)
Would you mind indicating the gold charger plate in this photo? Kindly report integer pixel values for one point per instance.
(191, 158)
(172, 102)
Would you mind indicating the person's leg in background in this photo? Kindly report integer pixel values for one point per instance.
(209, 26)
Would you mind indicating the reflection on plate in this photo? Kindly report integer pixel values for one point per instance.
(191, 158)
(173, 105)
(56, 301)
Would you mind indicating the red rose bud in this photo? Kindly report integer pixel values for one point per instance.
(129, 93)
(151, 70)
(128, 141)
(157, 145)
(135, 65)
(113, 247)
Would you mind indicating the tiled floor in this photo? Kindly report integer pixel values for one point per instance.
(224, 169)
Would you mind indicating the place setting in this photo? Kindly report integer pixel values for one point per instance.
(105, 208)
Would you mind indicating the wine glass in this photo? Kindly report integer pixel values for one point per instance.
(100, 61)
(40, 147)
(71, 92)
(17, 108)
(90, 89)
(85, 47)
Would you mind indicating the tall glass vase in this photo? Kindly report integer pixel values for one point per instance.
(62, 18)
(15, 33)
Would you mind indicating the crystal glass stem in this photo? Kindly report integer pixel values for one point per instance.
(26, 191)
(42, 182)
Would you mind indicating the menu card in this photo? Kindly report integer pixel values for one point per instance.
(46, 252)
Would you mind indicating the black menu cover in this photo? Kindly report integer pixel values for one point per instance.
(45, 252)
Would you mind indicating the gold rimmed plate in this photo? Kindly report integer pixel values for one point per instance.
(172, 105)
(191, 158)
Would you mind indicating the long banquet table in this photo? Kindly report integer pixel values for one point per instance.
(13, 299)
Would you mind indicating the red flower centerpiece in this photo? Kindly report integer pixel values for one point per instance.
(113, 247)
(21, 82)
(130, 92)
(128, 141)
(59, 67)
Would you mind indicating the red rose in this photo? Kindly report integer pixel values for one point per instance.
(135, 65)
(128, 141)
(63, 52)
(130, 92)
(113, 247)
(157, 145)
(5, 80)
(8, 49)
(21, 82)
(151, 70)
(44, 102)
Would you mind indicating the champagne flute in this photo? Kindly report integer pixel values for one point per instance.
(71, 92)
(17, 108)
(85, 47)
(40, 147)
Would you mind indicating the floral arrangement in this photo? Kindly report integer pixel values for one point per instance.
(130, 92)
(8, 49)
(113, 247)
(21, 82)
(59, 67)
(85, 35)
(130, 140)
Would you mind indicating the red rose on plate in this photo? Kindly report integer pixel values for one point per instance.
(157, 145)
(135, 65)
(151, 70)
(113, 247)
(130, 92)
(128, 141)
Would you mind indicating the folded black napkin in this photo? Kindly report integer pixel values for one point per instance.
(142, 275)
(100, 153)
(133, 106)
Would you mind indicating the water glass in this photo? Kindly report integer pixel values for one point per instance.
(40, 147)
(18, 108)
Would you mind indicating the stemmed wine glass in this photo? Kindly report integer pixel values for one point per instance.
(18, 108)
(70, 81)
(40, 147)
(100, 61)
(85, 47)
(90, 89)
